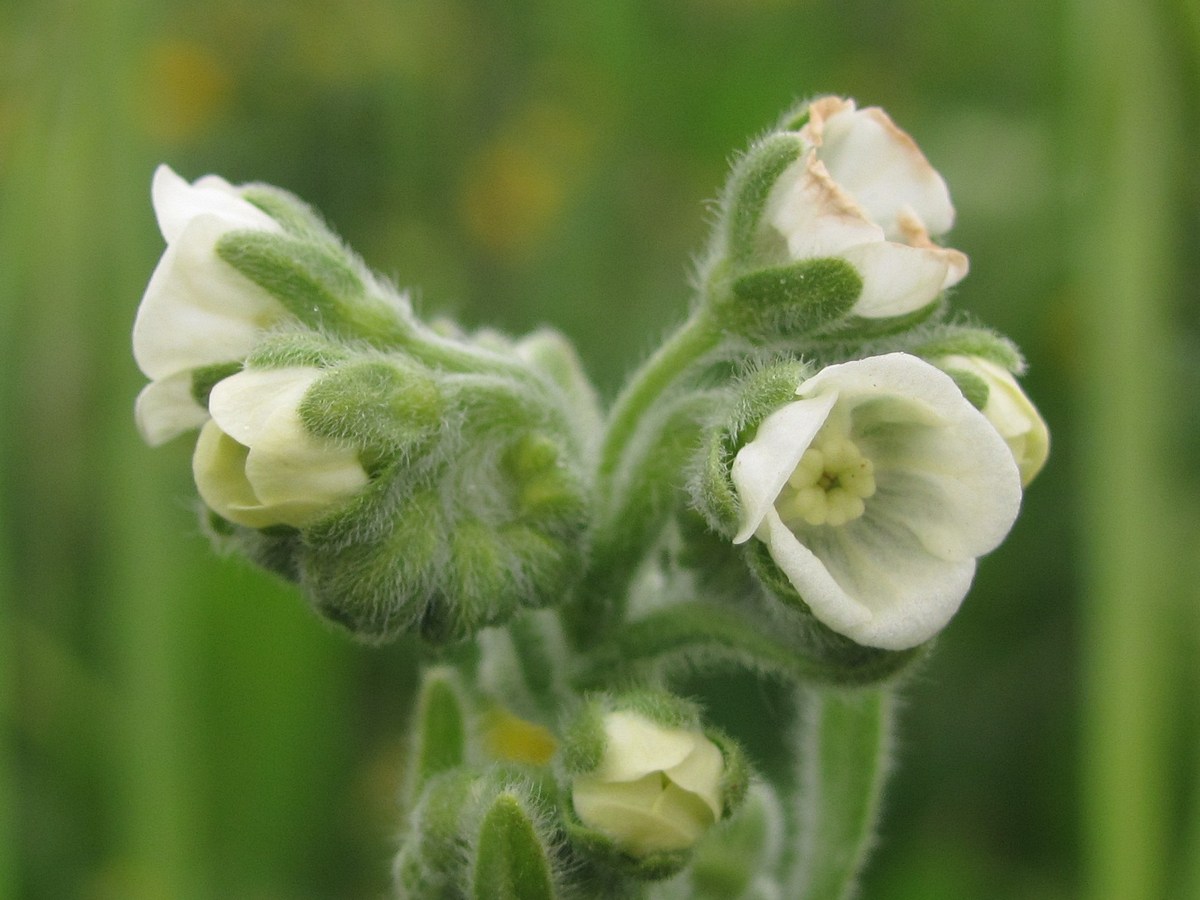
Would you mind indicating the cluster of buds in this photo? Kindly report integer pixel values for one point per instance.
(339, 434)
(800, 482)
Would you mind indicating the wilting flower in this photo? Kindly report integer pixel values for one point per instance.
(1009, 410)
(657, 789)
(874, 492)
(197, 310)
(255, 462)
(865, 192)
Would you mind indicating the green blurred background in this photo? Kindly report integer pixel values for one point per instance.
(174, 725)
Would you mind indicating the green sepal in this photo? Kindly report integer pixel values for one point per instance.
(205, 378)
(743, 849)
(387, 408)
(796, 117)
(974, 388)
(791, 301)
(439, 727)
(511, 862)
(431, 858)
(295, 216)
(318, 283)
(749, 402)
(606, 854)
(749, 188)
(301, 348)
(963, 340)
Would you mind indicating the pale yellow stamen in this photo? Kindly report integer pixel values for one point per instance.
(830, 483)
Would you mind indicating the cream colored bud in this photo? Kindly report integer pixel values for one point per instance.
(255, 462)
(657, 789)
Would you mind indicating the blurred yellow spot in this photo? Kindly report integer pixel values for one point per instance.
(184, 89)
(518, 184)
(510, 738)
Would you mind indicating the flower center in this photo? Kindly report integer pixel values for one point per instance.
(830, 483)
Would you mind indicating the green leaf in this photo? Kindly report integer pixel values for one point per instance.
(510, 861)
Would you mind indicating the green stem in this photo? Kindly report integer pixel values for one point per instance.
(703, 635)
(843, 751)
(694, 338)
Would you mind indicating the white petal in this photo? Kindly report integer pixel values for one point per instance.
(815, 216)
(197, 310)
(641, 816)
(166, 408)
(885, 170)
(244, 403)
(219, 469)
(763, 466)
(636, 746)
(700, 774)
(290, 468)
(874, 582)
(176, 203)
(897, 279)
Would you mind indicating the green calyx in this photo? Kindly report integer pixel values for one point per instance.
(791, 301)
(317, 282)
(748, 402)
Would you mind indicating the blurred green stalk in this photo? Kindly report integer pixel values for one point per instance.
(1124, 149)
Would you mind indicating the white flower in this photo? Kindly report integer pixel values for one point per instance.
(1009, 410)
(874, 492)
(865, 192)
(657, 789)
(197, 311)
(257, 465)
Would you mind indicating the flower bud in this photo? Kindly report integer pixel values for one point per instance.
(256, 464)
(993, 390)
(863, 191)
(832, 218)
(872, 493)
(647, 783)
(197, 311)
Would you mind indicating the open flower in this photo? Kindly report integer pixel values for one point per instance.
(1009, 410)
(865, 192)
(874, 492)
(257, 465)
(657, 789)
(197, 310)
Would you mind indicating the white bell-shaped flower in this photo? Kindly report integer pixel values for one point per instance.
(875, 491)
(197, 310)
(657, 789)
(865, 192)
(255, 462)
(1009, 410)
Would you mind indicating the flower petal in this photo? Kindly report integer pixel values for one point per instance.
(641, 815)
(885, 170)
(700, 774)
(296, 472)
(874, 582)
(176, 203)
(897, 279)
(816, 217)
(166, 408)
(763, 466)
(243, 403)
(636, 746)
(198, 311)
